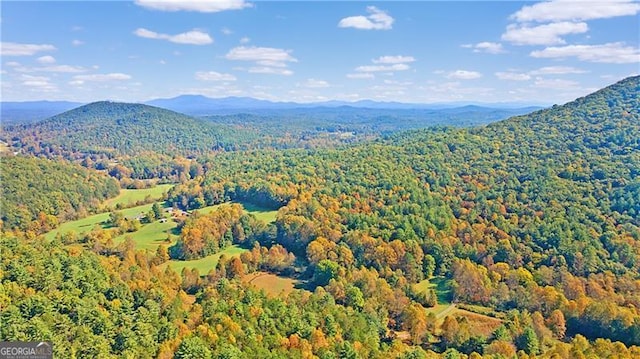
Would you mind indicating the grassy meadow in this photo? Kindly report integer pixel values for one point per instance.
(204, 265)
(129, 197)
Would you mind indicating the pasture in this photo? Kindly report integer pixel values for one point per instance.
(264, 214)
(272, 284)
(204, 265)
(129, 197)
(151, 235)
(86, 224)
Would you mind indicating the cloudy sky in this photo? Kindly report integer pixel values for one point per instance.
(307, 51)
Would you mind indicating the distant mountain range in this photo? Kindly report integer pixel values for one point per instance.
(198, 105)
(201, 105)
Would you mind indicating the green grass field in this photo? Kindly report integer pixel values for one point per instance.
(441, 285)
(263, 214)
(204, 265)
(209, 209)
(128, 197)
(151, 235)
(86, 224)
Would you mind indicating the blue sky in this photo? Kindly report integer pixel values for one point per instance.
(307, 51)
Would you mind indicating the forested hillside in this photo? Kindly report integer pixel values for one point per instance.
(537, 213)
(516, 239)
(38, 193)
(124, 129)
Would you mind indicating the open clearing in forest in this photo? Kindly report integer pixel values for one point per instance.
(475, 314)
(204, 265)
(129, 197)
(264, 214)
(272, 284)
(86, 224)
(440, 284)
(481, 324)
(151, 235)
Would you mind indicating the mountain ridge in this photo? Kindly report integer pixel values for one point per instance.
(203, 105)
(125, 128)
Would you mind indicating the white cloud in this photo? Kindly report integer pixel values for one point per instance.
(76, 42)
(463, 75)
(115, 76)
(557, 70)
(313, 83)
(46, 60)
(214, 76)
(394, 59)
(488, 47)
(193, 37)
(271, 63)
(245, 40)
(15, 49)
(270, 70)
(512, 76)
(38, 83)
(376, 20)
(254, 53)
(548, 34)
(381, 68)
(269, 60)
(438, 91)
(398, 83)
(547, 70)
(612, 53)
(556, 84)
(388, 64)
(362, 75)
(226, 31)
(550, 11)
(53, 68)
(206, 6)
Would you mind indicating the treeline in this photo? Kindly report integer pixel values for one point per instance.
(37, 194)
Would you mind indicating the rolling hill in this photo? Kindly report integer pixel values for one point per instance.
(123, 128)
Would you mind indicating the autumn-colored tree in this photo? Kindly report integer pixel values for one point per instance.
(414, 320)
(557, 323)
(236, 268)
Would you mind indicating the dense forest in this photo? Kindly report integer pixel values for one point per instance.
(530, 224)
(37, 194)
